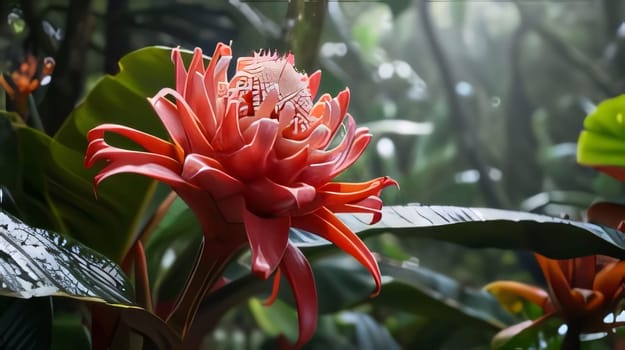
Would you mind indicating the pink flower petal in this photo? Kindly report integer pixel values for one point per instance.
(196, 66)
(313, 83)
(152, 165)
(181, 72)
(216, 74)
(268, 239)
(198, 100)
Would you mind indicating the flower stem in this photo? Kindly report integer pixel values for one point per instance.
(209, 267)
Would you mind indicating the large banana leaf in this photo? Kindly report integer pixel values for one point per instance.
(485, 228)
(40, 263)
(35, 263)
(472, 227)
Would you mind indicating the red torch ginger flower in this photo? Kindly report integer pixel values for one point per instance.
(582, 292)
(252, 157)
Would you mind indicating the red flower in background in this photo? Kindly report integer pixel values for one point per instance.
(581, 291)
(252, 157)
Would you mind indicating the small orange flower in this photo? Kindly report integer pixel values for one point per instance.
(581, 291)
(252, 157)
(25, 80)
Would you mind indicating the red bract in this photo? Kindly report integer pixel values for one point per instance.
(252, 157)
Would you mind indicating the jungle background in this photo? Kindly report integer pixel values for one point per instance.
(471, 103)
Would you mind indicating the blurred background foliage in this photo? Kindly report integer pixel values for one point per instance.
(472, 103)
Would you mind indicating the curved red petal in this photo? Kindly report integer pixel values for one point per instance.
(336, 193)
(148, 142)
(369, 205)
(168, 115)
(216, 73)
(299, 274)
(268, 239)
(181, 122)
(323, 163)
(326, 225)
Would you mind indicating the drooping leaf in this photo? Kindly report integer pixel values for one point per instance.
(484, 228)
(39, 263)
(36, 263)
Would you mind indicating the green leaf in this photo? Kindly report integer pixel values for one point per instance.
(55, 191)
(39, 263)
(8, 154)
(25, 324)
(433, 295)
(172, 248)
(112, 221)
(368, 334)
(602, 143)
(279, 318)
(36, 263)
(484, 228)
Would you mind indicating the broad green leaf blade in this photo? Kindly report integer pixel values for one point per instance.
(35, 263)
(116, 216)
(602, 143)
(24, 177)
(484, 228)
